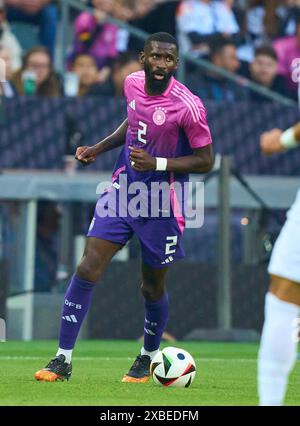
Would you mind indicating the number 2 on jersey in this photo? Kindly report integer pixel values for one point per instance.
(142, 132)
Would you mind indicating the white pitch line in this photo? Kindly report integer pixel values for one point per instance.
(99, 358)
(78, 358)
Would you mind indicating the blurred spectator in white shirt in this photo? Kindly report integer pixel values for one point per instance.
(7, 89)
(9, 40)
(264, 22)
(289, 11)
(200, 22)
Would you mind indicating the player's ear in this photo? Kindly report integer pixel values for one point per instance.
(176, 63)
(142, 57)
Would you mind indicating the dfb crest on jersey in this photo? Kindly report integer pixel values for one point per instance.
(159, 116)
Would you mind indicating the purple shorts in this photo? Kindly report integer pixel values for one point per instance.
(160, 238)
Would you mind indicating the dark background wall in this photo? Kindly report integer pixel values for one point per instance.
(38, 132)
(118, 312)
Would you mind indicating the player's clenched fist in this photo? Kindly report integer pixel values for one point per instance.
(270, 142)
(86, 154)
(141, 161)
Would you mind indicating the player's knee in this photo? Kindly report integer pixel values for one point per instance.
(84, 272)
(87, 270)
(153, 290)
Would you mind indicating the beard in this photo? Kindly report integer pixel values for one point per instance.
(154, 85)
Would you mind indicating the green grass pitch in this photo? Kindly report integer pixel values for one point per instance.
(226, 375)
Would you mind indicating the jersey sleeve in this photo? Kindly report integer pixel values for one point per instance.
(125, 88)
(194, 124)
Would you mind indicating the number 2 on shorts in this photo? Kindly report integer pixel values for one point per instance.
(171, 243)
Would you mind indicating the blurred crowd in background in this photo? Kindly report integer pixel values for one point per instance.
(257, 39)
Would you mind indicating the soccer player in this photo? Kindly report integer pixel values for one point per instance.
(278, 346)
(165, 137)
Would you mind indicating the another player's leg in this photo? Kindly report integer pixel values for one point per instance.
(278, 347)
(156, 315)
(96, 257)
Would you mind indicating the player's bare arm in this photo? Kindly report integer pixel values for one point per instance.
(276, 141)
(200, 162)
(86, 155)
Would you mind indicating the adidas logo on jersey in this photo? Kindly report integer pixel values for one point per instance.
(168, 260)
(132, 104)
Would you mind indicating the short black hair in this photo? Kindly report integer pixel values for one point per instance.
(219, 45)
(266, 50)
(125, 58)
(162, 37)
(87, 55)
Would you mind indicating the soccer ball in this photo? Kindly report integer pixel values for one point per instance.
(173, 367)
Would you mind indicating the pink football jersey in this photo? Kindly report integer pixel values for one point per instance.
(167, 125)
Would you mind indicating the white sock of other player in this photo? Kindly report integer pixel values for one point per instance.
(67, 353)
(278, 350)
(151, 354)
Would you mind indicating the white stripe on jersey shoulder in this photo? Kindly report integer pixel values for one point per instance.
(138, 75)
(129, 77)
(190, 98)
(188, 105)
(188, 101)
